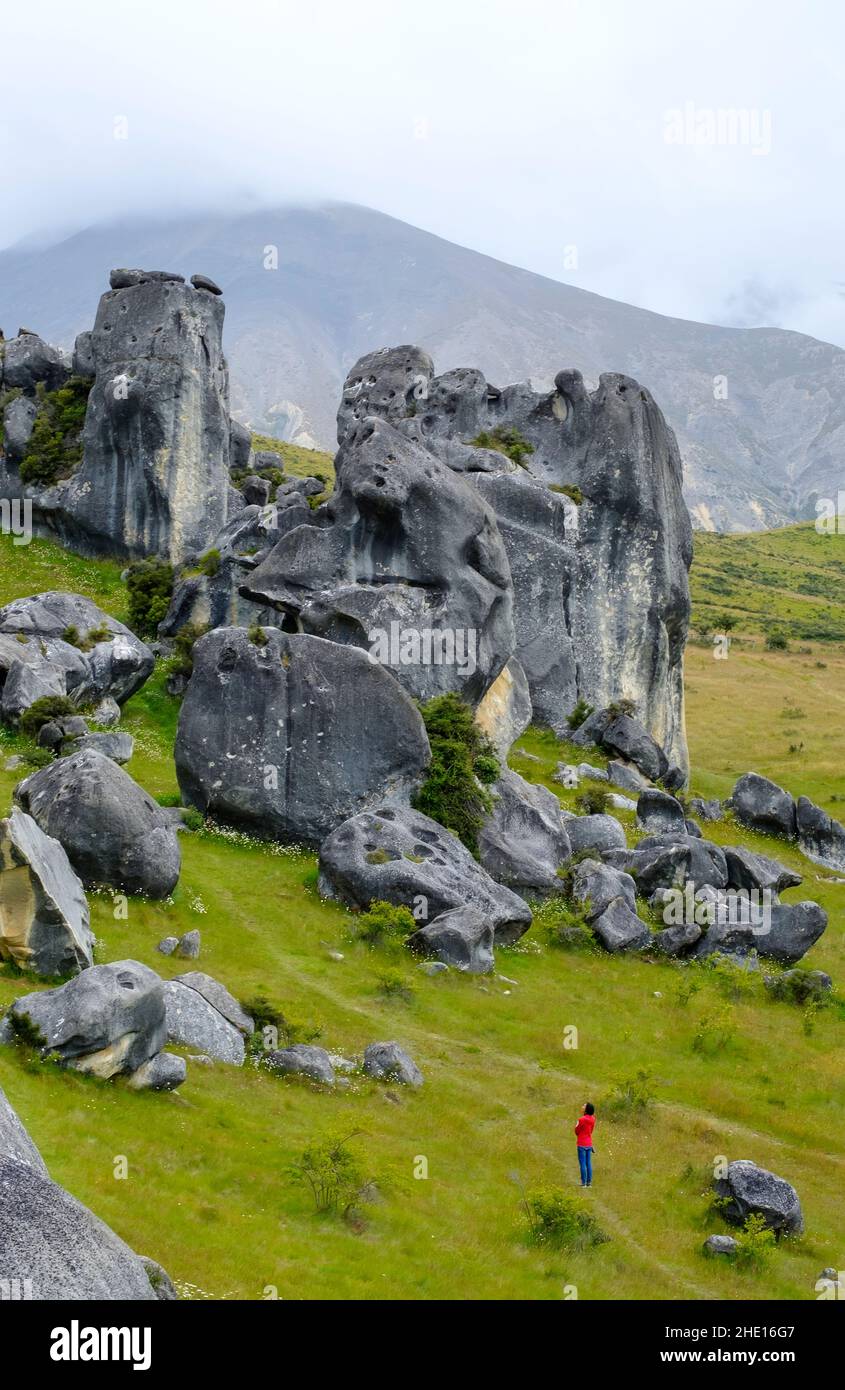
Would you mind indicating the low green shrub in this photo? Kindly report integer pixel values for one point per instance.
(559, 1220)
(42, 711)
(54, 450)
(384, 922)
(505, 440)
(580, 712)
(149, 585)
(463, 764)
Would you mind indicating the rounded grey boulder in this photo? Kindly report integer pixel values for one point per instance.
(397, 855)
(462, 938)
(752, 1190)
(111, 829)
(302, 1059)
(387, 1061)
(44, 919)
(289, 737)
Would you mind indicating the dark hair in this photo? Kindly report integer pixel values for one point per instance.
(589, 1108)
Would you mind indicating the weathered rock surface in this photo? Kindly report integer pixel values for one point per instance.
(193, 1021)
(27, 362)
(523, 842)
(757, 871)
(619, 928)
(107, 1021)
(290, 738)
(302, 1059)
(154, 479)
(505, 710)
(613, 449)
(37, 660)
(820, 837)
(397, 855)
(660, 813)
(720, 1245)
(785, 932)
(215, 600)
(44, 919)
(462, 937)
(407, 562)
(387, 1061)
(219, 998)
(112, 831)
(597, 885)
(117, 746)
(598, 832)
(752, 1190)
(164, 1072)
(763, 805)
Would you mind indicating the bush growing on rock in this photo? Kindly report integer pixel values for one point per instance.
(505, 440)
(580, 712)
(150, 588)
(463, 765)
(55, 445)
(557, 1219)
(42, 711)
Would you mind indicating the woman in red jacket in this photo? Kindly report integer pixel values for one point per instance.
(584, 1139)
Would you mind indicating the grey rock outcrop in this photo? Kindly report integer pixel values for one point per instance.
(660, 813)
(154, 477)
(407, 562)
(290, 738)
(219, 998)
(599, 832)
(397, 855)
(757, 871)
(111, 829)
(784, 933)
(117, 746)
(110, 1020)
(720, 1245)
(523, 841)
(215, 600)
(192, 1020)
(763, 805)
(751, 1190)
(505, 710)
(619, 928)
(597, 885)
(612, 449)
(462, 938)
(37, 659)
(302, 1059)
(27, 362)
(18, 423)
(387, 1061)
(820, 837)
(44, 919)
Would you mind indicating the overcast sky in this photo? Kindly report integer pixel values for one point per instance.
(544, 132)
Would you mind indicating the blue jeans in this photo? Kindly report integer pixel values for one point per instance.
(585, 1159)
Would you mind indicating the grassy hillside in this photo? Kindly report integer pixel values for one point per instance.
(296, 461)
(791, 580)
(209, 1193)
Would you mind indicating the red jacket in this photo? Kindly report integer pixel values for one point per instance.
(584, 1131)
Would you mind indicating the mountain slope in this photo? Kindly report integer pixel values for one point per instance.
(350, 280)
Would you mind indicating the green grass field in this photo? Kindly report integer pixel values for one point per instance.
(208, 1192)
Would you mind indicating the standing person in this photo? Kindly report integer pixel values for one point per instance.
(584, 1138)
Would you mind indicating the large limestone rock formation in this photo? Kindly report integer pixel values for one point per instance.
(154, 476)
(111, 829)
(594, 523)
(58, 643)
(51, 1247)
(406, 561)
(289, 736)
(397, 855)
(44, 919)
(108, 1021)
